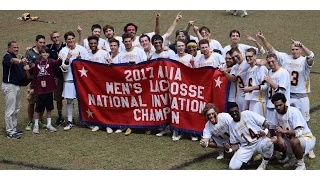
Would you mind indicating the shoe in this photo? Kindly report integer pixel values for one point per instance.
(19, 132)
(148, 132)
(59, 122)
(194, 137)
(311, 155)
(290, 163)
(301, 166)
(284, 158)
(13, 136)
(176, 136)
(262, 166)
(244, 14)
(94, 128)
(257, 157)
(163, 132)
(42, 124)
(109, 130)
(51, 128)
(221, 155)
(235, 12)
(29, 126)
(227, 11)
(118, 131)
(128, 132)
(35, 130)
(68, 127)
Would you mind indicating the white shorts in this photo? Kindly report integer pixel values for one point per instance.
(303, 105)
(244, 153)
(69, 91)
(271, 118)
(258, 107)
(307, 143)
(242, 103)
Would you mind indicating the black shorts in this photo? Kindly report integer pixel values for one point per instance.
(44, 101)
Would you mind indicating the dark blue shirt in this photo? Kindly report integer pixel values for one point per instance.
(12, 73)
(54, 54)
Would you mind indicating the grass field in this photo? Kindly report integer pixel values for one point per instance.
(82, 149)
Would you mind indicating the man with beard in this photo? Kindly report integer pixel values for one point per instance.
(293, 134)
(248, 132)
(160, 52)
(216, 131)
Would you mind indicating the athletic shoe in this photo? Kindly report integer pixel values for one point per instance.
(221, 155)
(301, 166)
(13, 136)
(244, 14)
(42, 125)
(35, 130)
(227, 11)
(51, 128)
(284, 158)
(235, 12)
(194, 137)
(311, 155)
(163, 132)
(290, 163)
(94, 128)
(128, 132)
(257, 157)
(118, 131)
(69, 126)
(109, 130)
(176, 136)
(59, 122)
(29, 126)
(19, 132)
(263, 165)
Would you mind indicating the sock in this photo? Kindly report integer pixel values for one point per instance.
(48, 121)
(69, 109)
(60, 113)
(36, 122)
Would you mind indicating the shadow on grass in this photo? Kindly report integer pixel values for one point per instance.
(195, 160)
(7, 162)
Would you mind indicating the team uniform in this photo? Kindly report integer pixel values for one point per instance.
(215, 60)
(236, 94)
(164, 54)
(214, 44)
(257, 98)
(135, 56)
(69, 90)
(220, 131)
(299, 71)
(102, 44)
(245, 133)
(290, 121)
(242, 47)
(100, 56)
(282, 78)
(184, 59)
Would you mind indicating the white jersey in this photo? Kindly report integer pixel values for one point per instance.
(282, 78)
(214, 44)
(197, 58)
(164, 54)
(240, 71)
(299, 71)
(135, 56)
(255, 76)
(215, 60)
(102, 44)
(220, 131)
(291, 120)
(115, 59)
(184, 59)
(245, 131)
(75, 52)
(107, 44)
(100, 56)
(242, 47)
